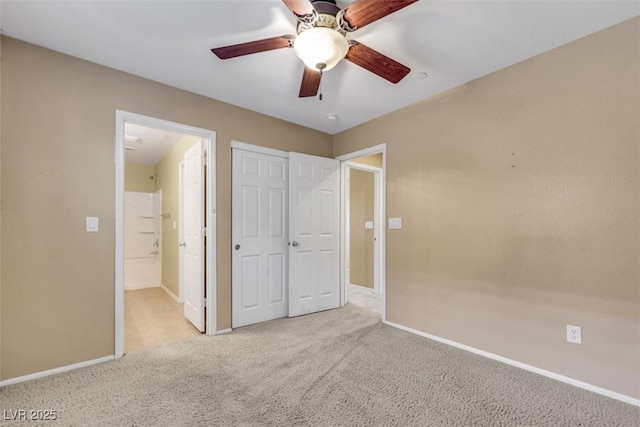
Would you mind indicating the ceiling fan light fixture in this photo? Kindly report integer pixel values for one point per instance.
(320, 48)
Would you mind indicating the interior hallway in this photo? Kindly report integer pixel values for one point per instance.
(152, 318)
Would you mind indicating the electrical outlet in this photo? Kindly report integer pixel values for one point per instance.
(574, 334)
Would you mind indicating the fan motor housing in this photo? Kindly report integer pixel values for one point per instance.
(326, 11)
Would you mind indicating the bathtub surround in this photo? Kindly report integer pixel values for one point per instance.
(143, 252)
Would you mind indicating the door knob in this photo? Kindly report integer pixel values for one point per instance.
(183, 244)
(237, 247)
(294, 243)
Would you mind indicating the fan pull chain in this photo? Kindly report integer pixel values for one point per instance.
(320, 91)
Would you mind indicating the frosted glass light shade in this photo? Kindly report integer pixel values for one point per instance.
(320, 48)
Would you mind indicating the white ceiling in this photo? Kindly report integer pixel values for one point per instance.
(147, 146)
(169, 41)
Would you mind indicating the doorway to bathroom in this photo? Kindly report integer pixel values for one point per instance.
(162, 257)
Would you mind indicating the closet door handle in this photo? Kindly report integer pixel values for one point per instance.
(183, 244)
(237, 247)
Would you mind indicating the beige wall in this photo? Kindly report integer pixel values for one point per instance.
(372, 160)
(136, 178)
(519, 196)
(361, 209)
(168, 182)
(58, 120)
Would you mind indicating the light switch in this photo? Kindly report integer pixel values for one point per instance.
(395, 223)
(368, 225)
(92, 224)
(174, 225)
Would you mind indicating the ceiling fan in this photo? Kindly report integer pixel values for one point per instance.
(321, 41)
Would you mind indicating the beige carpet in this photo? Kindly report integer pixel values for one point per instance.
(336, 368)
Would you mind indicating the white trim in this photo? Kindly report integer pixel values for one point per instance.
(259, 149)
(180, 232)
(212, 239)
(139, 288)
(165, 124)
(380, 148)
(171, 294)
(224, 331)
(590, 387)
(123, 117)
(381, 212)
(362, 287)
(55, 371)
(362, 166)
(345, 230)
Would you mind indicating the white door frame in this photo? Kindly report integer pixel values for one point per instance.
(180, 232)
(380, 195)
(209, 136)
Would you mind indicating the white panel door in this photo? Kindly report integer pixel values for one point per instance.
(259, 237)
(314, 234)
(193, 210)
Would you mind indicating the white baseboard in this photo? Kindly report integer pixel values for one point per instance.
(590, 387)
(223, 331)
(55, 371)
(138, 287)
(364, 288)
(171, 294)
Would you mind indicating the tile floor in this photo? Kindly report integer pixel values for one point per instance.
(365, 298)
(152, 317)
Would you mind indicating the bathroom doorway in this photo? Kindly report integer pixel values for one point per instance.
(151, 301)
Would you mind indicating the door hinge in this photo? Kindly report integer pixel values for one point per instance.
(204, 303)
(204, 232)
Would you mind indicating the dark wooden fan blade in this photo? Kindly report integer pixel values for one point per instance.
(299, 7)
(364, 12)
(376, 62)
(310, 83)
(242, 49)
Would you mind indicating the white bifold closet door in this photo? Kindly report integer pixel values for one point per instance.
(285, 235)
(314, 234)
(259, 237)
